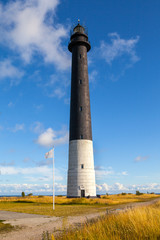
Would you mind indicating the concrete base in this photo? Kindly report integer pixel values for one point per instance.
(81, 174)
(80, 197)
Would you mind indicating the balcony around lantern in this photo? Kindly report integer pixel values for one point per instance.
(78, 29)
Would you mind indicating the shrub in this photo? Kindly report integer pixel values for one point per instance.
(30, 194)
(139, 193)
(23, 194)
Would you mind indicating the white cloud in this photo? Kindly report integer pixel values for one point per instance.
(38, 107)
(119, 187)
(111, 188)
(124, 173)
(46, 138)
(18, 127)
(141, 158)
(56, 85)
(99, 187)
(103, 172)
(9, 189)
(26, 160)
(120, 54)
(119, 47)
(41, 172)
(37, 127)
(24, 171)
(45, 162)
(54, 78)
(57, 92)
(10, 104)
(7, 70)
(4, 163)
(41, 179)
(105, 187)
(52, 138)
(93, 76)
(29, 28)
(60, 187)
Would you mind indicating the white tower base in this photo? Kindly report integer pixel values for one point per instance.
(81, 173)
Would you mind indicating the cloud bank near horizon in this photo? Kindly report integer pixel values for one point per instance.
(46, 189)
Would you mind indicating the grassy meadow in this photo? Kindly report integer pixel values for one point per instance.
(134, 224)
(68, 206)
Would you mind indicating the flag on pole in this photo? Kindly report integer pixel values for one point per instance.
(49, 154)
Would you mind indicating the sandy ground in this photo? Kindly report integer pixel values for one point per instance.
(32, 226)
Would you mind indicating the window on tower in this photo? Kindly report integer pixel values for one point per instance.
(80, 81)
(81, 137)
(80, 108)
(79, 55)
(82, 166)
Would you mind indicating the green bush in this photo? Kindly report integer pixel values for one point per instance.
(30, 194)
(23, 194)
(139, 193)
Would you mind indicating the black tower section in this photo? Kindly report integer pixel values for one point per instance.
(80, 116)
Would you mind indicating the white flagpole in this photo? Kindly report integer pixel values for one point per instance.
(53, 179)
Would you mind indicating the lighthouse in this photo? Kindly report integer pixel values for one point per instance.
(81, 173)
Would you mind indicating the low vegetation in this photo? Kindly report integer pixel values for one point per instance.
(62, 200)
(68, 206)
(139, 223)
(5, 227)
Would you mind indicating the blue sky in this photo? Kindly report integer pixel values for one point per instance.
(35, 73)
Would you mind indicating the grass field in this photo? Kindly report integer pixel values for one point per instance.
(46, 208)
(68, 207)
(136, 224)
(5, 227)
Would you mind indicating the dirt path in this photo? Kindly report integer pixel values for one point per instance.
(32, 226)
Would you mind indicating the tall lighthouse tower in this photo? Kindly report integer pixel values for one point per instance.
(81, 173)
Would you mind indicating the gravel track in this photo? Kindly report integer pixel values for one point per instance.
(32, 226)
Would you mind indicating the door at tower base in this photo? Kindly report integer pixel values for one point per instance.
(81, 173)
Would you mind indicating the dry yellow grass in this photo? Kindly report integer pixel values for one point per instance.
(106, 200)
(136, 224)
(68, 207)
